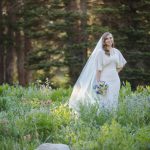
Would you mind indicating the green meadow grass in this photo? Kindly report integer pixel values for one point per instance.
(37, 114)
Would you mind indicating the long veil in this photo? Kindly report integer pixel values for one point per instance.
(83, 88)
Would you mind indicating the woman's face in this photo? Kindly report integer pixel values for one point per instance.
(109, 40)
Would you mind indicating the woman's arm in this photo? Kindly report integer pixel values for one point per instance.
(98, 74)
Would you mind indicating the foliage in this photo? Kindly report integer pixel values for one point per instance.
(130, 27)
(143, 137)
(60, 94)
(3, 105)
(40, 125)
(55, 38)
(114, 136)
(29, 120)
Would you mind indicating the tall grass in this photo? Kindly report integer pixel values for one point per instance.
(36, 114)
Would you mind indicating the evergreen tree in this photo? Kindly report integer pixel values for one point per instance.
(48, 40)
(129, 22)
(50, 37)
(76, 50)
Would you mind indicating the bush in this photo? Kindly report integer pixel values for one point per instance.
(134, 110)
(116, 137)
(60, 94)
(3, 103)
(92, 114)
(32, 115)
(36, 124)
(143, 137)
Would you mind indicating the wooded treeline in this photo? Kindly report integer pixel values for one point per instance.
(50, 38)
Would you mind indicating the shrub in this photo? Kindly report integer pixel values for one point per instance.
(61, 116)
(35, 114)
(115, 137)
(60, 94)
(3, 103)
(142, 137)
(134, 110)
(37, 124)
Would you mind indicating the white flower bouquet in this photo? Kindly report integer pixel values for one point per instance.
(101, 88)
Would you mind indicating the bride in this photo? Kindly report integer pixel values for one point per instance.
(104, 64)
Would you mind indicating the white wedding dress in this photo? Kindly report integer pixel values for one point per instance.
(83, 91)
(108, 66)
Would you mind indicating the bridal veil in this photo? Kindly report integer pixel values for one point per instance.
(83, 89)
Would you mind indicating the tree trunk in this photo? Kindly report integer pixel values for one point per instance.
(27, 49)
(24, 75)
(20, 58)
(1, 47)
(23, 46)
(10, 52)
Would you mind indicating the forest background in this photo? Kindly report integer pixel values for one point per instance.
(53, 39)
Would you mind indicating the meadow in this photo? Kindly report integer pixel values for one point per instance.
(30, 116)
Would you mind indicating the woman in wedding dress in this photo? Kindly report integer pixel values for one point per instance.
(104, 64)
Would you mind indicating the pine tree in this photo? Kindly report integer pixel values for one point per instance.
(129, 23)
(50, 37)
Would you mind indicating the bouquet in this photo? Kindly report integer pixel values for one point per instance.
(101, 88)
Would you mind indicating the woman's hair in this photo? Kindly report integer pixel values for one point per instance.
(104, 36)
